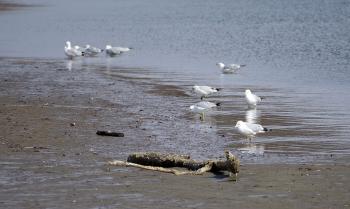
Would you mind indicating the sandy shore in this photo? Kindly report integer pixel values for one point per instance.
(52, 158)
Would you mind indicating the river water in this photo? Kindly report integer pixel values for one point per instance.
(297, 55)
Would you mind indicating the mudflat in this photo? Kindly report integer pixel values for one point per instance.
(6, 5)
(51, 156)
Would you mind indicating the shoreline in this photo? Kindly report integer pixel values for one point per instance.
(7, 6)
(47, 162)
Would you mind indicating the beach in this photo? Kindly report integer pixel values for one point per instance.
(47, 162)
(297, 58)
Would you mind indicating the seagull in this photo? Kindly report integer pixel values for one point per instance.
(92, 51)
(250, 129)
(206, 104)
(123, 49)
(251, 98)
(229, 68)
(72, 52)
(202, 107)
(204, 91)
(113, 51)
(79, 48)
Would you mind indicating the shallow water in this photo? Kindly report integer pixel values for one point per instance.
(297, 55)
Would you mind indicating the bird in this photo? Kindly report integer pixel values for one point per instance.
(92, 51)
(250, 129)
(232, 68)
(252, 99)
(72, 52)
(206, 104)
(204, 91)
(113, 51)
(123, 49)
(202, 107)
(79, 48)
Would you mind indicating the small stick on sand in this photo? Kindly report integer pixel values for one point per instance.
(110, 133)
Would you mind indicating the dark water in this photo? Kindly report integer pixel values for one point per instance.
(297, 55)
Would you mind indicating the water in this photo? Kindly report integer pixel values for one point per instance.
(297, 55)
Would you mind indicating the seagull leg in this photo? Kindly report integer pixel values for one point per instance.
(249, 139)
(201, 116)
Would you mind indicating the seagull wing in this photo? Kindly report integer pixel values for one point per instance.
(257, 98)
(206, 104)
(208, 89)
(72, 52)
(122, 49)
(234, 66)
(257, 128)
(93, 50)
(244, 129)
(228, 70)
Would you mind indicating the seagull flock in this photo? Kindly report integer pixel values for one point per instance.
(246, 129)
(90, 51)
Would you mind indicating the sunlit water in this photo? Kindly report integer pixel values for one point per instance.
(297, 55)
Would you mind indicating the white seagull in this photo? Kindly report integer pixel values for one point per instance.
(204, 91)
(202, 107)
(249, 129)
(206, 104)
(251, 98)
(72, 52)
(232, 68)
(79, 48)
(92, 51)
(113, 51)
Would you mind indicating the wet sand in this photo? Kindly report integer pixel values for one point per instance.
(52, 158)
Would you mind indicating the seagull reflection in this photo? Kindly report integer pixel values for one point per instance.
(252, 116)
(69, 64)
(253, 149)
(73, 64)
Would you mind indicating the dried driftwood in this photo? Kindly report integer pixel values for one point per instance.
(163, 162)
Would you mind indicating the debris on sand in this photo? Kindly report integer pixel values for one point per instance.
(110, 133)
(162, 162)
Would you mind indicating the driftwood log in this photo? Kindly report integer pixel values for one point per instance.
(164, 162)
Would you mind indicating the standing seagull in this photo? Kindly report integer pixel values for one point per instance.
(251, 98)
(79, 48)
(72, 52)
(206, 104)
(113, 51)
(204, 91)
(229, 68)
(92, 51)
(249, 129)
(202, 107)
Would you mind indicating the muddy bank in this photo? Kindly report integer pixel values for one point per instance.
(6, 6)
(46, 162)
